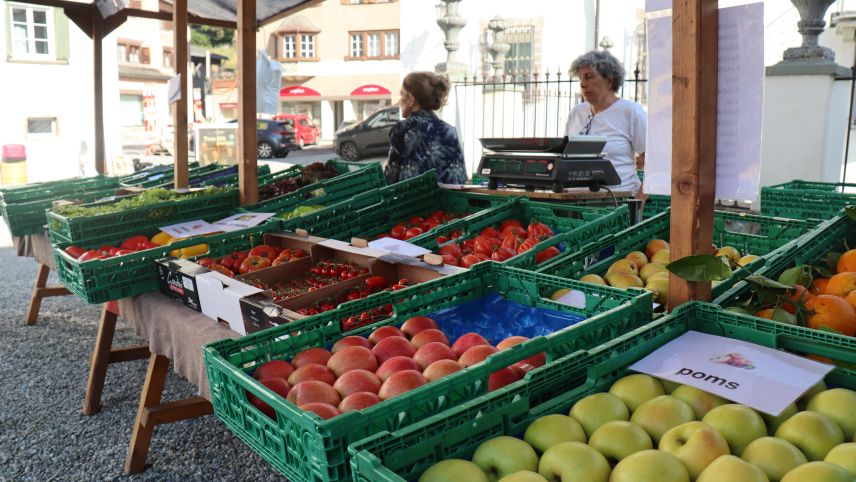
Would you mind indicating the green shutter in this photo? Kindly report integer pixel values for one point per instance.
(61, 39)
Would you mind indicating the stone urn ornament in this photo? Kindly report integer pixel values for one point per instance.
(811, 25)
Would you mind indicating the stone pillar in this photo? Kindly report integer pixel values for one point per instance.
(451, 23)
(499, 48)
(805, 109)
(328, 120)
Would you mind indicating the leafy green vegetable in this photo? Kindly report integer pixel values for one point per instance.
(147, 198)
(301, 211)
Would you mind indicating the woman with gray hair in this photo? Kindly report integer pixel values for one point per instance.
(621, 121)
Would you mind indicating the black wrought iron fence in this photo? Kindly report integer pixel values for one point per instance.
(851, 117)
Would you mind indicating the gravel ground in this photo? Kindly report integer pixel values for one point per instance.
(43, 368)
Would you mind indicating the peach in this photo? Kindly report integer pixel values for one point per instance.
(323, 410)
(313, 391)
(427, 336)
(401, 382)
(501, 378)
(511, 341)
(416, 324)
(523, 366)
(384, 332)
(476, 354)
(278, 386)
(351, 341)
(352, 358)
(358, 401)
(467, 341)
(440, 369)
(391, 347)
(274, 368)
(311, 355)
(396, 364)
(313, 371)
(357, 381)
(431, 352)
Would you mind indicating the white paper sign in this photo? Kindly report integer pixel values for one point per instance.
(173, 88)
(190, 228)
(739, 104)
(763, 378)
(398, 246)
(242, 221)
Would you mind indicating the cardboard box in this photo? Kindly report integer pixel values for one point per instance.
(220, 298)
(178, 280)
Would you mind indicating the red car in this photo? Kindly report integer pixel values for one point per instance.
(305, 129)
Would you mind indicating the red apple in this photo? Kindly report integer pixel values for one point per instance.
(351, 341)
(431, 352)
(274, 368)
(313, 391)
(323, 410)
(416, 324)
(396, 364)
(427, 336)
(278, 386)
(401, 382)
(501, 378)
(358, 401)
(467, 341)
(313, 371)
(440, 369)
(476, 354)
(393, 346)
(311, 355)
(352, 358)
(384, 332)
(357, 381)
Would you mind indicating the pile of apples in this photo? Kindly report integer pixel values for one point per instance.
(417, 225)
(323, 273)
(359, 372)
(245, 262)
(698, 436)
(498, 244)
(128, 246)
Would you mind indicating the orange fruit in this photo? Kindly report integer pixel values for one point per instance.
(777, 314)
(841, 284)
(832, 312)
(818, 286)
(795, 297)
(655, 245)
(847, 262)
(851, 298)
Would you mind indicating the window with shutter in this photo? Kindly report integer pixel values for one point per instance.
(31, 33)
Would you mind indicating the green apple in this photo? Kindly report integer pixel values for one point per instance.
(812, 432)
(739, 424)
(618, 439)
(595, 410)
(549, 430)
(807, 396)
(650, 465)
(843, 455)
(728, 468)
(523, 476)
(774, 422)
(839, 404)
(700, 401)
(453, 470)
(573, 462)
(668, 385)
(818, 472)
(636, 389)
(695, 444)
(660, 414)
(774, 456)
(503, 456)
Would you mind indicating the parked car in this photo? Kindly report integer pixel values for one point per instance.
(370, 136)
(306, 131)
(275, 138)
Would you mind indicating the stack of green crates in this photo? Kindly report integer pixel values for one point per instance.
(806, 199)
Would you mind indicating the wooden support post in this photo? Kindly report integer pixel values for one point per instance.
(179, 119)
(247, 134)
(694, 84)
(98, 89)
(41, 290)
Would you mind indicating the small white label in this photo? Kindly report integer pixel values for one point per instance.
(486, 170)
(574, 298)
(187, 282)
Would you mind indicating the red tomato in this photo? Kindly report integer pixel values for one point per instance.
(132, 242)
(438, 214)
(451, 260)
(527, 245)
(486, 245)
(546, 254)
(510, 222)
(398, 232)
(490, 232)
(74, 251)
(502, 254)
(452, 249)
(470, 260)
(222, 269)
(538, 230)
(468, 246)
(207, 262)
(412, 233)
(442, 239)
(515, 230)
(89, 255)
(416, 221)
(253, 263)
(265, 251)
(510, 241)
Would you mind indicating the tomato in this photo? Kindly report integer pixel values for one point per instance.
(206, 262)
(253, 263)
(265, 251)
(144, 245)
(510, 241)
(490, 232)
(222, 269)
(376, 282)
(502, 254)
(538, 230)
(416, 221)
(104, 251)
(527, 245)
(468, 246)
(515, 230)
(470, 260)
(510, 222)
(486, 245)
(437, 214)
(453, 249)
(456, 234)
(481, 257)
(442, 239)
(113, 251)
(398, 232)
(232, 261)
(451, 260)
(546, 254)
(412, 233)
(74, 251)
(123, 252)
(132, 242)
(90, 255)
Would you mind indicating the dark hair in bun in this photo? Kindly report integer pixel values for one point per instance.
(429, 89)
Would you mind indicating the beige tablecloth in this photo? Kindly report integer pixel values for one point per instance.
(175, 331)
(36, 246)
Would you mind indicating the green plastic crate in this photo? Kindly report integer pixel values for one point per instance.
(165, 178)
(123, 224)
(371, 213)
(806, 199)
(305, 448)
(655, 204)
(143, 175)
(27, 218)
(758, 235)
(231, 179)
(102, 280)
(398, 456)
(55, 189)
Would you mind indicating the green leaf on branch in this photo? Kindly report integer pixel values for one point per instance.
(765, 282)
(800, 275)
(703, 267)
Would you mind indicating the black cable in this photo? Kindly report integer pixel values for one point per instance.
(614, 200)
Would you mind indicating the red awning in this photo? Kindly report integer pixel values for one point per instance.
(298, 91)
(370, 89)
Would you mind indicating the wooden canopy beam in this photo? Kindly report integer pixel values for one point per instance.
(695, 26)
(179, 119)
(247, 134)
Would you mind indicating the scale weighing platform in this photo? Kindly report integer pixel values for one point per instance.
(547, 163)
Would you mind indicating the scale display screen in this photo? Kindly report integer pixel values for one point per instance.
(537, 167)
(517, 166)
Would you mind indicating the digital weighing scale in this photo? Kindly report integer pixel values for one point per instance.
(547, 163)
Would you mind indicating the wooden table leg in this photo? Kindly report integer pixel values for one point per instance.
(151, 412)
(103, 355)
(41, 290)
